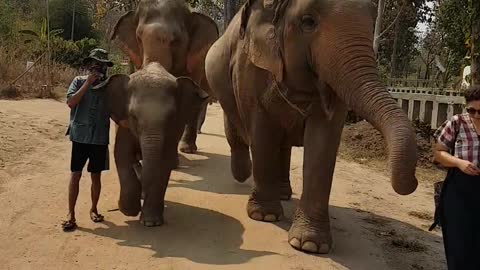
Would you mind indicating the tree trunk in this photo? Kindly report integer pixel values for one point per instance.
(475, 48)
(229, 11)
(378, 26)
(393, 62)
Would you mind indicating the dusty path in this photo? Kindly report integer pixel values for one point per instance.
(207, 226)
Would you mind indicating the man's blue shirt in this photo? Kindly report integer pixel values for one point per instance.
(90, 119)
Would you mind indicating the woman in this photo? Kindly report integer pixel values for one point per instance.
(457, 148)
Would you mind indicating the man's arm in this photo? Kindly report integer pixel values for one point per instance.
(74, 99)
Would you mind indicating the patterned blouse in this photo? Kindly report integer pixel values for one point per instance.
(459, 135)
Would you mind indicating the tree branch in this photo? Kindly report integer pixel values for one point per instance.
(394, 21)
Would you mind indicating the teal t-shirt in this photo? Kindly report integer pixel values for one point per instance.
(90, 119)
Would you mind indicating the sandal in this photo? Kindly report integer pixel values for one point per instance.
(95, 217)
(69, 225)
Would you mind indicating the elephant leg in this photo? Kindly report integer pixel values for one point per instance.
(201, 118)
(240, 163)
(188, 142)
(125, 160)
(285, 187)
(310, 230)
(264, 203)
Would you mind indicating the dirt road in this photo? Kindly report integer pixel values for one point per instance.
(206, 222)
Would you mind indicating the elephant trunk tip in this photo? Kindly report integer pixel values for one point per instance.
(405, 186)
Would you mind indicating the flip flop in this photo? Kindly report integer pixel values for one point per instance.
(96, 217)
(69, 225)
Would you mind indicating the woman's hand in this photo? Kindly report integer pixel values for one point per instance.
(468, 168)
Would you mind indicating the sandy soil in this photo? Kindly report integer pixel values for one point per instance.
(206, 222)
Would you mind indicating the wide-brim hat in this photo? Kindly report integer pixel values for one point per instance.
(99, 55)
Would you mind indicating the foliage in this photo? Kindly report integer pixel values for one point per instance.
(398, 42)
(61, 16)
(72, 52)
(7, 20)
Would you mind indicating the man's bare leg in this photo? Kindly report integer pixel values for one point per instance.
(73, 189)
(95, 190)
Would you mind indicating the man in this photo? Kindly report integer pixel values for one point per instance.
(89, 132)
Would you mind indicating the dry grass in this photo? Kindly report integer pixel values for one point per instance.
(33, 83)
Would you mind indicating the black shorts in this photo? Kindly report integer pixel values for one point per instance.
(97, 156)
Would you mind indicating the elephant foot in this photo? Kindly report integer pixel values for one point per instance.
(130, 209)
(151, 220)
(241, 166)
(285, 191)
(310, 236)
(267, 211)
(188, 148)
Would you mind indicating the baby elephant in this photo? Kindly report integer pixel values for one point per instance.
(156, 105)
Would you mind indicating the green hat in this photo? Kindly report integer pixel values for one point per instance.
(100, 55)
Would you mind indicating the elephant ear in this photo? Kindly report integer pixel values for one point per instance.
(125, 34)
(261, 30)
(191, 98)
(203, 33)
(117, 97)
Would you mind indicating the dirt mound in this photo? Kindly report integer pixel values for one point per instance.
(362, 143)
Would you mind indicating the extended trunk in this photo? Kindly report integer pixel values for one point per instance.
(352, 73)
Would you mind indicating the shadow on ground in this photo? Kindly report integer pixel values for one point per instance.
(214, 170)
(401, 245)
(198, 234)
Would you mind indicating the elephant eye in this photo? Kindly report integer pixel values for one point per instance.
(308, 23)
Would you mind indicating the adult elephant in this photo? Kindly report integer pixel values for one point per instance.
(167, 32)
(156, 105)
(284, 73)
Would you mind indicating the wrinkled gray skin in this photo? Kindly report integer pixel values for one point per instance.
(167, 32)
(284, 73)
(157, 106)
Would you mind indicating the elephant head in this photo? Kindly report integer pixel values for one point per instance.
(153, 100)
(333, 57)
(166, 32)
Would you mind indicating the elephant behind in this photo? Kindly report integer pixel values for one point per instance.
(168, 33)
(157, 106)
(284, 73)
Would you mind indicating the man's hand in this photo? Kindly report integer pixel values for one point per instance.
(92, 77)
(77, 97)
(468, 168)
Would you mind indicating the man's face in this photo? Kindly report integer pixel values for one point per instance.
(98, 66)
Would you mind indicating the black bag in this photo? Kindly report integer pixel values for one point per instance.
(438, 190)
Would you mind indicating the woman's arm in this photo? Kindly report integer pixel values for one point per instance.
(441, 155)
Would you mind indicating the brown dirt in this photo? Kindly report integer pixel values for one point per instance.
(362, 143)
(206, 223)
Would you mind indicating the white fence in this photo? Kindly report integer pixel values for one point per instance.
(429, 105)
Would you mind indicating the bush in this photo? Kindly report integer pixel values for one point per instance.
(31, 85)
(7, 21)
(72, 53)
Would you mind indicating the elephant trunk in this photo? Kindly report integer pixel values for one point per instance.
(353, 76)
(155, 170)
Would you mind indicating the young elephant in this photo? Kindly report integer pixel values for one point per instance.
(157, 106)
(167, 32)
(284, 72)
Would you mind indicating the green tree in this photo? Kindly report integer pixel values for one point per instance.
(7, 21)
(398, 39)
(63, 12)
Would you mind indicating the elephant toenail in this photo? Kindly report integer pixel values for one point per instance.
(257, 216)
(310, 247)
(294, 242)
(324, 249)
(270, 218)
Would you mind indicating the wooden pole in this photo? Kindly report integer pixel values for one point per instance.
(73, 20)
(49, 55)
